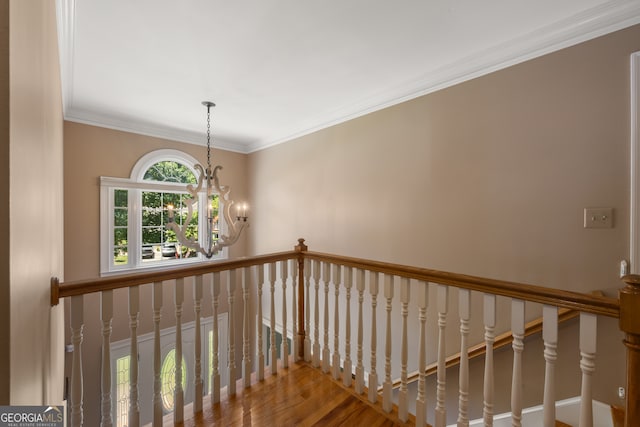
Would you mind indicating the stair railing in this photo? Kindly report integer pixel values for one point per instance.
(384, 283)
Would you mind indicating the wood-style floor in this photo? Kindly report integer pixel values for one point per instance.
(298, 396)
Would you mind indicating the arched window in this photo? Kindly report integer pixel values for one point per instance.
(168, 380)
(134, 214)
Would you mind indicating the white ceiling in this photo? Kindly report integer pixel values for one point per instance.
(278, 69)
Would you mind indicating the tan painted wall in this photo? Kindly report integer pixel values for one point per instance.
(5, 310)
(488, 177)
(91, 152)
(35, 204)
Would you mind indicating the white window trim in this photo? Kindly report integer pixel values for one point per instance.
(135, 185)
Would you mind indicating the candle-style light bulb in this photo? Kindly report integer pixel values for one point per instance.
(170, 209)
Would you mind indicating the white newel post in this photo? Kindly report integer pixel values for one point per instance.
(588, 333)
(387, 402)
(403, 412)
(373, 374)
(316, 314)
(284, 345)
(337, 272)
(77, 324)
(517, 326)
(215, 371)
(178, 401)
(489, 338)
(246, 355)
(464, 313)
(550, 338)
(259, 328)
(231, 336)
(443, 306)
(421, 400)
(134, 309)
(326, 354)
(106, 315)
(347, 367)
(157, 354)
(359, 363)
(197, 375)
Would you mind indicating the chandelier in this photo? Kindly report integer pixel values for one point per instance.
(213, 240)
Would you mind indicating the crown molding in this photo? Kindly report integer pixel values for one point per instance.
(595, 22)
(156, 131)
(603, 19)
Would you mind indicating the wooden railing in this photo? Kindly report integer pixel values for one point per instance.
(298, 270)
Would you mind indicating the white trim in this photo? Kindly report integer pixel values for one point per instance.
(635, 164)
(66, 14)
(153, 157)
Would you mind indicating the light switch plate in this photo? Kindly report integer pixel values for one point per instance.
(598, 217)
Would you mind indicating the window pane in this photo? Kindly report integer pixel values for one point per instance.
(151, 216)
(120, 236)
(152, 235)
(151, 199)
(170, 171)
(120, 198)
(122, 391)
(120, 217)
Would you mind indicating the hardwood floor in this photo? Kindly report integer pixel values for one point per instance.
(298, 396)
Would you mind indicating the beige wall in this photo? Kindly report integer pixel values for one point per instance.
(34, 204)
(5, 310)
(488, 177)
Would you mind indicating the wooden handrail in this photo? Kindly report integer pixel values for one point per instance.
(563, 299)
(81, 287)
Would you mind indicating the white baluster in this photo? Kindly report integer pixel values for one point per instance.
(347, 367)
(421, 400)
(359, 364)
(550, 338)
(246, 356)
(284, 345)
(77, 325)
(197, 303)
(489, 337)
(272, 344)
(464, 312)
(326, 354)
(316, 314)
(588, 332)
(134, 310)
(259, 327)
(373, 374)
(387, 403)
(403, 412)
(517, 327)
(215, 371)
(443, 306)
(157, 355)
(178, 400)
(307, 314)
(106, 315)
(337, 273)
(294, 309)
(231, 290)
